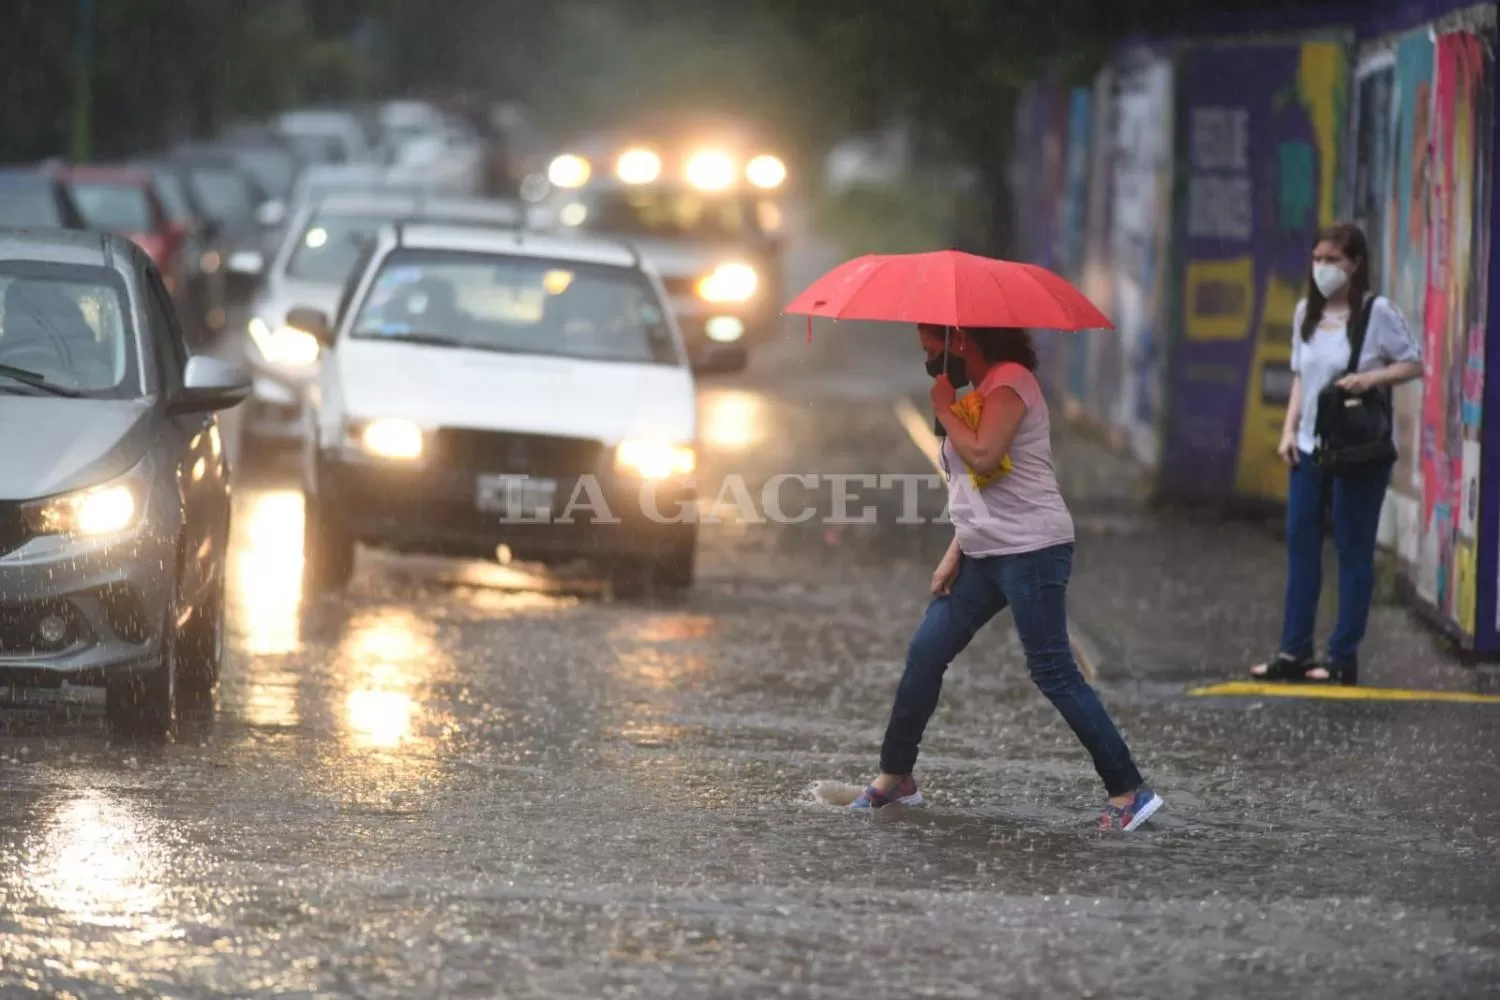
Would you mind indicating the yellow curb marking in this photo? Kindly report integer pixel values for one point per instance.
(1339, 692)
(920, 432)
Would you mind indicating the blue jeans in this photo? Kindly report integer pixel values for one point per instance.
(1034, 585)
(1356, 501)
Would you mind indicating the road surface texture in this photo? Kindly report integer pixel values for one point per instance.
(468, 780)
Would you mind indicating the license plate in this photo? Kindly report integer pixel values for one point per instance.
(515, 498)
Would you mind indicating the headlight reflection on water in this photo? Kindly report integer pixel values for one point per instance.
(732, 419)
(97, 861)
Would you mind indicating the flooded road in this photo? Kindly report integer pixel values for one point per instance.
(470, 780)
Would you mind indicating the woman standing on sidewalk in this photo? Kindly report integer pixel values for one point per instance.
(1338, 284)
(1012, 547)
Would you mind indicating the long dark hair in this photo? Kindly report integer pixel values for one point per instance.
(1350, 239)
(1000, 344)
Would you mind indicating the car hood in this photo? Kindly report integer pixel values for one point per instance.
(283, 296)
(485, 390)
(687, 260)
(54, 445)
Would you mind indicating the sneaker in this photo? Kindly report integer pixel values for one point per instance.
(1126, 818)
(904, 794)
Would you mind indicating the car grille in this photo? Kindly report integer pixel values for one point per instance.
(521, 454)
(13, 530)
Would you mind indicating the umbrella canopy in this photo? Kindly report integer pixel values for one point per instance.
(948, 288)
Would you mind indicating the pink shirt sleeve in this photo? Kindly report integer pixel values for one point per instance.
(1017, 378)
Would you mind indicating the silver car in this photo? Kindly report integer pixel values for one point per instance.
(114, 488)
(321, 249)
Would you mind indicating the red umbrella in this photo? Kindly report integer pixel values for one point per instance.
(948, 288)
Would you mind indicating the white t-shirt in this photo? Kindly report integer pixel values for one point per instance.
(1325, 357)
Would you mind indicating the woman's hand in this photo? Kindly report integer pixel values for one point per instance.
(943, 393)
(946, 572)
(1288, 448)
(1358, 382)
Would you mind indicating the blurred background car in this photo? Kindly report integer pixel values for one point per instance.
(36, 198)
(114, 505)
(124, 201)
(312, 268)
(203, 299)
(704, 213)
(339, 131)
(234, 203)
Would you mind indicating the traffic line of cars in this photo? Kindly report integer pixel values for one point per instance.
(453, 378)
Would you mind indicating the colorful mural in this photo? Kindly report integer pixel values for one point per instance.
(1260, 136)
(1454, 323)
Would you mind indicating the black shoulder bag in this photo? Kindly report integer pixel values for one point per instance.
(1354, 429)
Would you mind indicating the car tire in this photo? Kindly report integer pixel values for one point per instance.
(201, 649)
(144, 704)
(328, 549)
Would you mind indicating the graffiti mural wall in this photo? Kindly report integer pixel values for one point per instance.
(1260, 135)
(1454, 324)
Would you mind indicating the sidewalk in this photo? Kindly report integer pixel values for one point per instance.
(1174, 596)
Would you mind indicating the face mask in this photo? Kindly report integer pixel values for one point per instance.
(958, 374)
(1329, 278)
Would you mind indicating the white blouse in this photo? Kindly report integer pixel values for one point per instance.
(1325, 357)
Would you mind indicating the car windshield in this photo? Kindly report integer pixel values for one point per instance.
(116, 208)
(29, 204)
(66, 326)
(272, 169)
(519, 305)
(329, 247)
(662, 213)
(174, 197)
(224, 193)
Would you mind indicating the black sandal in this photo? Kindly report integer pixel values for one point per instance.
(1284, 667)
(1346, 673)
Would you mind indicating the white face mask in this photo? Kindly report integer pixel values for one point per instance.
(1329, 278)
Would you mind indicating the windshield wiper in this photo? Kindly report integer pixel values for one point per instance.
(37, 381)
(436, 339)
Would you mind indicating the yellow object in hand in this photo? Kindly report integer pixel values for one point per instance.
(969, 409)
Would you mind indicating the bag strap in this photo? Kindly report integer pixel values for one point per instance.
(1359, 325)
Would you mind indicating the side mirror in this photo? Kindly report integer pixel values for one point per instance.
(209, 384)
(246, 262)
(271, 213)
(721, 359)
(313, 321)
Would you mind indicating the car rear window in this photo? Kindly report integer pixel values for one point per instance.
(69, 325)
(173, 195)
(116, 208)
(520, 305)
(28, 205)
(224, 193)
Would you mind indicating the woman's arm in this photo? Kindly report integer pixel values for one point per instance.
(1293, 409)
(985, 448)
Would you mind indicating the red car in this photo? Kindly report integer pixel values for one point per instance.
(123, 200)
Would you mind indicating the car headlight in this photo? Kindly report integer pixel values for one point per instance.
(710, 170)
(766, 172)
(99, 510)
(732, 282)
(569, 171)
(285, 345)
(638, 166)
(655, 459)
(391, 437)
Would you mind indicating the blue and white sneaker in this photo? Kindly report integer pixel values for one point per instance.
(1123, 819)
(904, 794)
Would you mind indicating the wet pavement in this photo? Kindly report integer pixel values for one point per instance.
(470, 780)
